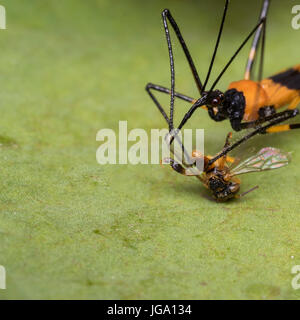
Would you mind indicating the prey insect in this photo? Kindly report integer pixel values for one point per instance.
(246, 103)
(220, 177)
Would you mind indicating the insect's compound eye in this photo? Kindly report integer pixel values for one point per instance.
(216, 101)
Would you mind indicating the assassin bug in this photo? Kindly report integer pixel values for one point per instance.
(219, 173)
(246, 103)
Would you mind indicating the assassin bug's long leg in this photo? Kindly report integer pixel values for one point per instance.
(260, 33)
(162, 89)
(216, 47)
(255, 43)
(258, 130)
(158, 88)
(176, 166)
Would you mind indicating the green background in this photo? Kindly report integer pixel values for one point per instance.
(71, 228)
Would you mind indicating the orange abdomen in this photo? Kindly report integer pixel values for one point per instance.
(278, 91)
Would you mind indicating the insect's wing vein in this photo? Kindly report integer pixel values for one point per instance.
(266, 159)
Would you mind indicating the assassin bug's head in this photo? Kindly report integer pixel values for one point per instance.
(229, 105)
(214, 98)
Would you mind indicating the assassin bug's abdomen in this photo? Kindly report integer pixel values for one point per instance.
(283, 88)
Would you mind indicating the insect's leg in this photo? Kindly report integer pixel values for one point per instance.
(162, 111)
(227, 158)
(151, 86)
(294, 103)
(224, 157)
(158, 105)
(226, 145)
(167, 15)
(253, 50)
(162, 89)
(238, 196)
(235, 54)
(262, 53)
(216, 46)
(277, 117)
(177, 167)
(227, 142)
(189, 172)
(287, 127)
(272, 125)
(231, 159)
(288, 114)
(198, 104)
(249, 124)
(283, 127)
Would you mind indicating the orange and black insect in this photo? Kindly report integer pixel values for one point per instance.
(220, 171)
(246, 103)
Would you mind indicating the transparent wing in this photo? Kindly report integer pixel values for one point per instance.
(266, 159)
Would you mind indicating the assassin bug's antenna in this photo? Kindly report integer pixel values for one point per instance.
(216, 47)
